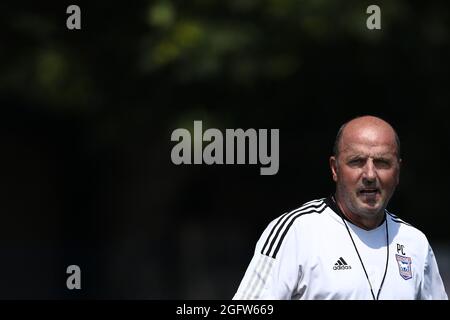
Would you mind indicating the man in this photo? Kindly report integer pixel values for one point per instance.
(347, 246)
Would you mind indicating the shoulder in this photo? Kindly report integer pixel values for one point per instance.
(308, 210)
(285, 226)
(393, 217)
(407, 229)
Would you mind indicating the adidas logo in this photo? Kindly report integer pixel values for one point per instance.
(341, 265)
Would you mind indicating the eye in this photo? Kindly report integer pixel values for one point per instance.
(356, 162)
(383, 163)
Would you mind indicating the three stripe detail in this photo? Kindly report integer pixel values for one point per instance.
(281, 228)
(397, 219)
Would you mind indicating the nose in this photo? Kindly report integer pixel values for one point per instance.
(370, 172)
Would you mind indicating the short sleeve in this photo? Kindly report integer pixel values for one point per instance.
(273, 272)
(432, 286)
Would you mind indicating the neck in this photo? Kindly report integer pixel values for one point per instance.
(358, 220)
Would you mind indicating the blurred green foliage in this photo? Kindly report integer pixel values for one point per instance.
(238, 42)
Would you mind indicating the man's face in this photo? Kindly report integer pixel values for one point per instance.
(366, 173)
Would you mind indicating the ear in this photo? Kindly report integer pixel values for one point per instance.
(333, 167)
(398, 170)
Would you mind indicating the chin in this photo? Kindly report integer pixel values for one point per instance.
(370, 208)
(371, 211)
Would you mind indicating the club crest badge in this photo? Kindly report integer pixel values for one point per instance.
(404, 266)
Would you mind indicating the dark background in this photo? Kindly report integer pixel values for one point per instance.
(86, 176)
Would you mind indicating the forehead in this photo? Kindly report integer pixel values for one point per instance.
(368, 141)
(358, 149)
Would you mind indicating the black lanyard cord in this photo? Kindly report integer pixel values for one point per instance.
(362, 264)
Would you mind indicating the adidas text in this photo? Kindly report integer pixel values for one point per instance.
(341, 267)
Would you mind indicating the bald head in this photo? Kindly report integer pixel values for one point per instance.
(368, 128)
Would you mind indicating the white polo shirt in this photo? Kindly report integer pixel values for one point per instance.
(315, 253)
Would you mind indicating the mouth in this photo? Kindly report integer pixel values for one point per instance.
(369, 192)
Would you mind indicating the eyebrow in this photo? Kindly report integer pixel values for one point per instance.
(377, 156)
